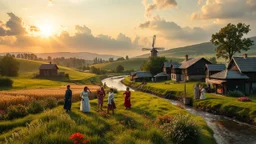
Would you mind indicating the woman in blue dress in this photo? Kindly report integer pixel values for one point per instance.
(85, 103)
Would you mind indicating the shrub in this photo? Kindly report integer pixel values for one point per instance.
(181, 130)
(50, 103)
(244, 99)
(67, 75)
(163, 119)
(5, 82)
(61, 102)
(128, 122)
(115, 90)
(36, 107)
(16, 111)
(235, 93)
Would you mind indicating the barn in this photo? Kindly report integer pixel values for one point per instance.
(48, 70)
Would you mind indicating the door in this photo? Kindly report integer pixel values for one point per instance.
(247, 88)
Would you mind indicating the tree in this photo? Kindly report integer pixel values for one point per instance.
(213, 60)
(9, 66)
(229, 40)
(49, 58)
(111, 59)
(119, 68)
(127, 58)
(120, 59)
(154, 65)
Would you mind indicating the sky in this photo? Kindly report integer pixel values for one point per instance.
(116, 26)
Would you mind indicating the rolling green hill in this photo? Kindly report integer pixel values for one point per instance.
(28, 68)
(206, 49)
(131, 64)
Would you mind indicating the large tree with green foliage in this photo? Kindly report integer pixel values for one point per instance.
(119, 68)
(154, 65)
(229, 40)
(9, 66)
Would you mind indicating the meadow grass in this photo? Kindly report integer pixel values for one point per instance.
(55, 126)
(29, 68)
(217, 104)
(131, 64)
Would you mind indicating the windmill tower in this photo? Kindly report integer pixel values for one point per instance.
(154, 50)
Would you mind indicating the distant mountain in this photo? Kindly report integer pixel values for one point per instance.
(206, 49)
(81, 55)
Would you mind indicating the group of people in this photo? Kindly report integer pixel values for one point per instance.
(85, 102)
(199, 92)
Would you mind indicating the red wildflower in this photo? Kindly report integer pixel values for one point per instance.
(244, 99)
(78, 138)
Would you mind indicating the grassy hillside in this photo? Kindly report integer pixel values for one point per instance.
(55, 126)
(131, 64)
(198, 50)
(29, 68)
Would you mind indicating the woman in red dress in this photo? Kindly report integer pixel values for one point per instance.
(127, 100)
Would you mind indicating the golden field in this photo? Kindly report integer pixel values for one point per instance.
(8, 98)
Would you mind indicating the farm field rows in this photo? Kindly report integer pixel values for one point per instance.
(25, 96)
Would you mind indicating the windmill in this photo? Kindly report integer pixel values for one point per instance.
(154, 50)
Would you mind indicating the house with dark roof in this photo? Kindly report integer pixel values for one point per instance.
(48, 70)
(190, 69)
(240, 75)
(163, 76)
(176, 72)
(141, 76)
(167, 67)
(211, 69)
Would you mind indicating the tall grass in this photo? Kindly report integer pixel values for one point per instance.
(55, 126)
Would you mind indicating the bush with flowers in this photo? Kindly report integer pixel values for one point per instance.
(244, 99)
(16, 111)
(78, 138)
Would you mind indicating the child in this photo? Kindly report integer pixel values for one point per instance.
(111, 103)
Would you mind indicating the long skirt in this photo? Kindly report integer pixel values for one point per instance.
(127, 102)
(112, 105)
(85, 105)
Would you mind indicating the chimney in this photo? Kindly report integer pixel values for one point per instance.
(186, 57)
(244, 56)
(50, 62)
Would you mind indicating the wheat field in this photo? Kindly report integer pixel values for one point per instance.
(24, 97)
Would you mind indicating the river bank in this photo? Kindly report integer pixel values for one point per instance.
(220, 105)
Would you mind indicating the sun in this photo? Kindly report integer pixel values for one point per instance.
(46, 30)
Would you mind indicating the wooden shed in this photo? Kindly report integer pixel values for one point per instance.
(48, 69)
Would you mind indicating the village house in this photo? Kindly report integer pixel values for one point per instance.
(240, 75)
(48, 70)
(211, 69)
(141, 76)
(190, 69)
(163, 76)
(167, 67)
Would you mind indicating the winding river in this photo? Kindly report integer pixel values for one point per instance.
(226, 130)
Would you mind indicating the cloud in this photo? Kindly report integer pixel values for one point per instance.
(15, 34)
(172, 31)
(158, 4)
(226, 9)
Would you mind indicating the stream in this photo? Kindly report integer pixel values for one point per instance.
(226, 130)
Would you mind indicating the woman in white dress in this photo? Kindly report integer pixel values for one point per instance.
(202, 91)
(85, 103)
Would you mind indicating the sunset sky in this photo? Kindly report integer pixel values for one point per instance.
(115, 26)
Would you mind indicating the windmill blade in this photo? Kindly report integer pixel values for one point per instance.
(154, 41)
(160, 48)
(146, 49)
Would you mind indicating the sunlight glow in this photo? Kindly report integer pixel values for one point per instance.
(46, 30)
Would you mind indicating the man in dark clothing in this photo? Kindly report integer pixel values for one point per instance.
(68, 99)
